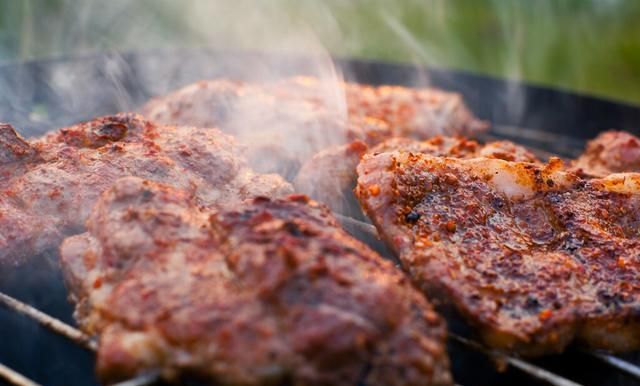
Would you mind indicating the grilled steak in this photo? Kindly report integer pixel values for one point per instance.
(330, 175)
(288, 121)
(48, 186)
(532, 255)
(270, 293)
(610, 152)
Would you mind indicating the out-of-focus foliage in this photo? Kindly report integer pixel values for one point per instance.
(591, 46)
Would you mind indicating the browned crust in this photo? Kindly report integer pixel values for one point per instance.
(49, 185)
(535, 269)
(273, 292)
(610, 152)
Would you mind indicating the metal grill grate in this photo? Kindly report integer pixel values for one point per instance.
(14, 377)
(78, 337)
(365, 232)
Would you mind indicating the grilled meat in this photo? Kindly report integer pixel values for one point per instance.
(532, 255)
(13, 148)
(418, 113)
(270, 293)
(280, 130)
(330, 175)
(286, 122)
(50, 185)
(610, 152)
(458, 147)
(505, 150)
(410, 112)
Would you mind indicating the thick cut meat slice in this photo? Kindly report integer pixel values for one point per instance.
(49, 186)
(270, 293)
(534, 256)
(610, 152)
(285, 122)
(330, 175)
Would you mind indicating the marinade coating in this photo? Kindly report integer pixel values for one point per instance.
(272, 292)
(50, 184)
(330, 175)
(610, 152)
(532, 255)
(286, 122)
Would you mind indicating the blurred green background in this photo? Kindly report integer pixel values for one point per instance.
(591, 46)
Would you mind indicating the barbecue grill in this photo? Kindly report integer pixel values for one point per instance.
(38, 344)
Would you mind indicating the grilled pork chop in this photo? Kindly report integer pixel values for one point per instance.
(610, 152)
(532, 255)
(286, 122)
(330, 175)
(270, 293)
(49, 185)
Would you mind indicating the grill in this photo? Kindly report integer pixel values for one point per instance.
(40, 346)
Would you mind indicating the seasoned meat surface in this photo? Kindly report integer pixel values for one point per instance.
(535, 257)
(506, 150)
(286, 122)
(49, 185)
(610, 152)
(272, 292)
(330, 175)
(281, 130)
(458, 147)
(13, 148)
(410, 112)
(418, 113)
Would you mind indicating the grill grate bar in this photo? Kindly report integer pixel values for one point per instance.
(144, 379)
(152, 377)
(14, 377)
(49, 322)
(529, 368)
(620, 364)
(69, 332)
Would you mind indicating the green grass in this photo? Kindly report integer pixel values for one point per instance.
(591, 46)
